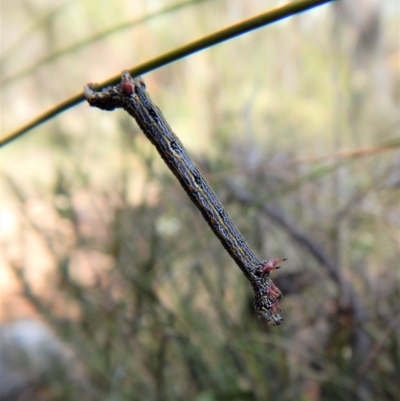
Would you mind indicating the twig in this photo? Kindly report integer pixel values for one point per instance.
(240, 28)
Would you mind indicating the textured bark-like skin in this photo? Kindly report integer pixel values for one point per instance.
(131, 95)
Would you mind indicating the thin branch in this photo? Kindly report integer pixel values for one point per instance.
(232, 31)
(244, 197)
(28, 33)
(76, 46)
(370, 359)
(315, 249)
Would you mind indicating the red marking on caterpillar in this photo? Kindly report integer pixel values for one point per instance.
(273, 291)
(127, 87)
(127, 84)
(275, 307)
(270, 265)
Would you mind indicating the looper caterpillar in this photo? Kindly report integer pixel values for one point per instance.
(131, 95)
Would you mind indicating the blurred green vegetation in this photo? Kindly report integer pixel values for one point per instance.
(296, 126)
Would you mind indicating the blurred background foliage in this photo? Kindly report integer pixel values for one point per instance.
(110, 271)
